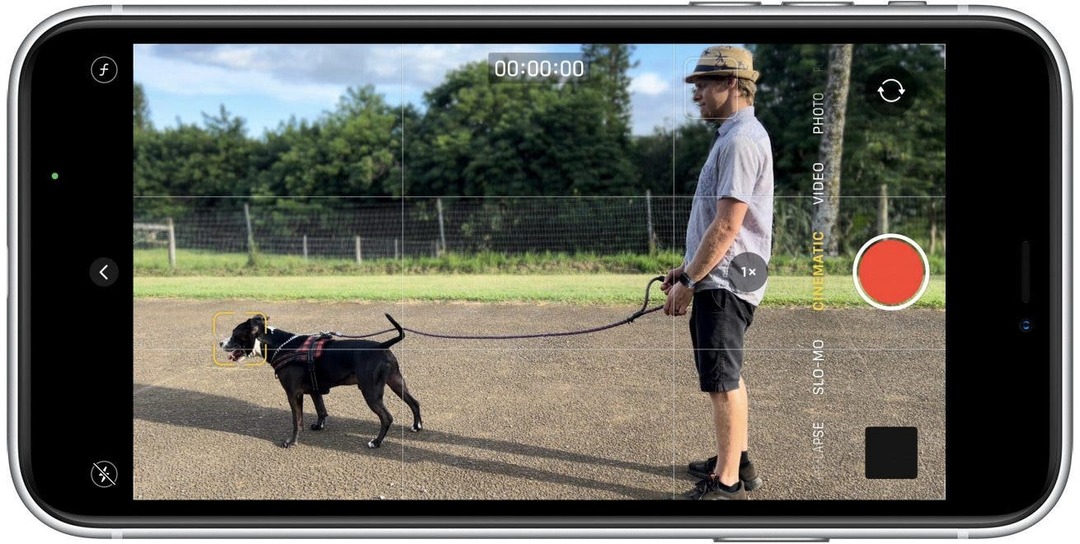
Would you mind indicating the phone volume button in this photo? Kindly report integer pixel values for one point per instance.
(715, 3)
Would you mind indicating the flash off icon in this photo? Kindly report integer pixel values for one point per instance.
(103, 70)
(103, 474)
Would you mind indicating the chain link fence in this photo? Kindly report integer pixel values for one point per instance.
(426, 227)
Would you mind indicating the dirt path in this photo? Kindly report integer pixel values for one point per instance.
(614, 415)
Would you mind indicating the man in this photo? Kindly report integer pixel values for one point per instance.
(731, 217)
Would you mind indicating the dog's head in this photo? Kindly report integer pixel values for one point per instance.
(245, 340)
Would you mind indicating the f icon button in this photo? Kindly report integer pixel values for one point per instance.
(103, 70)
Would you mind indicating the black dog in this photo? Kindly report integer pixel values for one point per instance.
(330, 362)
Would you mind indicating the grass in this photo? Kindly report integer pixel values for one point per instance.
(563, 288)
(155, 262)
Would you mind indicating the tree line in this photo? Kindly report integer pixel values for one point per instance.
(475, 137)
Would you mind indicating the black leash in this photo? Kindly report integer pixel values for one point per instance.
(645, 310)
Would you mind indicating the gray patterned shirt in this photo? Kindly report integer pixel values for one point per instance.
(740, 166)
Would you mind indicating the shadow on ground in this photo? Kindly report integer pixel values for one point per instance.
(270, 425)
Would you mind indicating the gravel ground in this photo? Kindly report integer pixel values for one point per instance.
(612, 415)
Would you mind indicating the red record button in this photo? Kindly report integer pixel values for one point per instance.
(891, 272)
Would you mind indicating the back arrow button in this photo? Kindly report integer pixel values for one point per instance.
(103, 272)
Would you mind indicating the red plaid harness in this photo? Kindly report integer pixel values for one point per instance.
(309, 353)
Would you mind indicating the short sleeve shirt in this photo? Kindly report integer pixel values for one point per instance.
(740, 166)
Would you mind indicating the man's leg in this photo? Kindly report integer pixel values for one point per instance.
(730, 415)
(745, 443)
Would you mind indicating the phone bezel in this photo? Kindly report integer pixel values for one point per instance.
(804, 526)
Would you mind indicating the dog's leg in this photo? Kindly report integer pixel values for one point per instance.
(375, 402)
(397, 384)
(320, 409)
(296, 402)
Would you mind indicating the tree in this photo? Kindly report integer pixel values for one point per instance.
(189, 160)
(511, 138)
(665, 171)
(831, 149)
(140, 109)
(352, 150)
(906, 152)
(790, 74)
(609, 66)
(609, 77)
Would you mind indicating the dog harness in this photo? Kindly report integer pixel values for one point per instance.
(309, 352)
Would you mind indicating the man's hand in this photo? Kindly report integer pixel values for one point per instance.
(678, 299)
(671, 279)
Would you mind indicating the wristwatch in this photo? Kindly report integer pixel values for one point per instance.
(686, 281)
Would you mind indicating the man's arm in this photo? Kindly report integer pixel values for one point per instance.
(714, 244)
(718, 237)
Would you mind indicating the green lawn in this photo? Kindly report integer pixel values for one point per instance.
(570, 288)
(189, 262)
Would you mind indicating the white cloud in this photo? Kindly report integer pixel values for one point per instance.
(236, 58)
(650, 84)
(316, 75)
(424, 65)
(187, 79)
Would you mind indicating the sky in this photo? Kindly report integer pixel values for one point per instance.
(266, 84)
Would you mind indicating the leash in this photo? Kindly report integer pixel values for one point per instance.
(645, 310)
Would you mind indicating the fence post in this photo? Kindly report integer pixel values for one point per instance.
(172, 244)
(305, 247)
(442, 230)
(250, 235)
(648, 222)
(933, 227)
(359, 255)
(397, 252)
(883, 210)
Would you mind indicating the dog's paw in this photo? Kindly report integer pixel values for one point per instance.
(416, 427)
(318, 426)
(372, 444)
(288, 443)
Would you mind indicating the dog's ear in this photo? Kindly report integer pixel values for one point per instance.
(258, 324)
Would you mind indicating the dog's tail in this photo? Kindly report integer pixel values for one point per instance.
(400, 336)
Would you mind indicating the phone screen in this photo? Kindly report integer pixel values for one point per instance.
(508, 204)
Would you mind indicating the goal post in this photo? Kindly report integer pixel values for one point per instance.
(150, 234)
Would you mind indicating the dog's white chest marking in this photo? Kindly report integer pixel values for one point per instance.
(256, 350)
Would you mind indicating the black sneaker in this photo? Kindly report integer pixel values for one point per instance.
(747, 474)
(710, 489)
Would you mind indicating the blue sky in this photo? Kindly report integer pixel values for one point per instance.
(267, 84)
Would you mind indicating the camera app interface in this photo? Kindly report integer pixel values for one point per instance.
(539, 271)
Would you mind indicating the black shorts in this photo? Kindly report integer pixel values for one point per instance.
(718, 323)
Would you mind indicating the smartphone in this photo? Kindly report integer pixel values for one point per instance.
(565, 265)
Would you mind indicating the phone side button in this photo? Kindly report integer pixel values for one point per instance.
(817, 4)
(732, 539)
(907, 2)
(722, 4)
